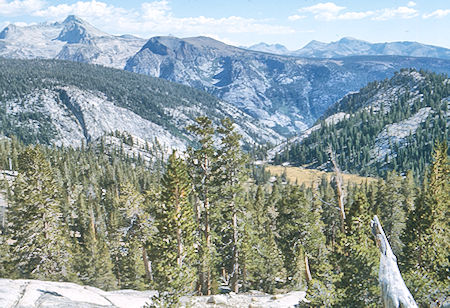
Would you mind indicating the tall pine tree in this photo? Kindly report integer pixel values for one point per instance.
(172, 249)
(40, 247)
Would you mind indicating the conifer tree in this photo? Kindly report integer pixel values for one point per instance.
(132, 233)
(300, 235)
(92, 259)
(40, 246)
(172, 248)
(392, 206)
(201, 163)
(427, 249)
(261, 256)
(321, 283)
(230, 173)
(356, 258)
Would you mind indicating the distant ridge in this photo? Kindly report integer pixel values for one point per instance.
(287, 93)
(348, 46)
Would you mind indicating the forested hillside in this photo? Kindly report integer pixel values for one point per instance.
(387, 125)
(198, 224)
(62, 103)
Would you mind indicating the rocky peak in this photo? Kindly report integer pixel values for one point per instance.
(76, 30)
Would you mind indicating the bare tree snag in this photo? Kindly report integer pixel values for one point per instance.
(307, 270)
(394, 292)
(147, 265)
(340, 188)
(235, 272)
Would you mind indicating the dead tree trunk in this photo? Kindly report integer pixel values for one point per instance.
(339, 187)
(147, 265)
(394, 292)
(235, 272)
(307, 270)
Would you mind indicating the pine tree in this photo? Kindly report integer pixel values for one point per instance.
(321, 283)
(426, 237)
(201, 163)
(172, 248)
(40, 246)
(356, 259)
(132, 237)
(261, 256)
(392, 206)
(230, 173)
(300, 234)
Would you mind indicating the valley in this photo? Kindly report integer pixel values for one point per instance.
(183, 171)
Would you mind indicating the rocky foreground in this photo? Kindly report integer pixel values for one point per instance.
(45, 294)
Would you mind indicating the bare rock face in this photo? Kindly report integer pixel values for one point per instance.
(36, 293)
(393, 289)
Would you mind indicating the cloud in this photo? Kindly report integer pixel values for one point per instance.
(156, 17)
(354, 15)
(437, 14)
(296, 17)
(329, 11)
(84, 9)
(19, 7)
(325, 11)
(402, 12)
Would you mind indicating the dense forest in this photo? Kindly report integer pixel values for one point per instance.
(356, 138)
(207, 221)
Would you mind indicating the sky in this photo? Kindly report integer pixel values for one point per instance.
(292, 23)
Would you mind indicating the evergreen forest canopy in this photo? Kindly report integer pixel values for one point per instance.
(355, 139)
(198, 222)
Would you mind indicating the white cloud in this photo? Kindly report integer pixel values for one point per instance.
(437, 14)
(19, 7)
(156, 17)
(328, 7)
(354, 15)
(325, 11)
(83, 9)
(155, 10)
(296, 17)
(329, 11)
(402, 12)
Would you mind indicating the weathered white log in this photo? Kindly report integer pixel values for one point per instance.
(394, 292)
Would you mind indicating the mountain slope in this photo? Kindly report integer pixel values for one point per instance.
(352, 47)
(62, 102)
(287, 93)
(277, 49)
(388, 125)
(73, 39)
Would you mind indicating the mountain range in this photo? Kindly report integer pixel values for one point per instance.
(348, 46)
(73, 39)
(283, 95)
